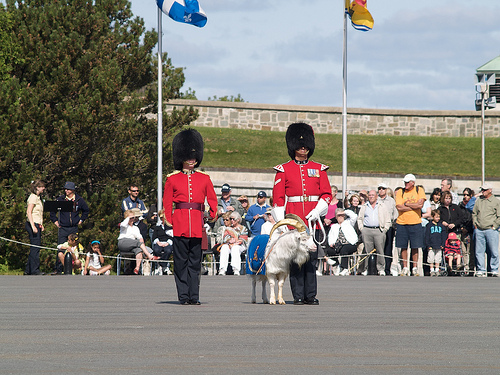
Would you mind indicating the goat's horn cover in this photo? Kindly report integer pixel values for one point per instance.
(294, 223)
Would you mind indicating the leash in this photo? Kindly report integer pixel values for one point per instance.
(312, 230)
(359, 261)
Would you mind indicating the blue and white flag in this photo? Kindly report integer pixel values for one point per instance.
(185, 11)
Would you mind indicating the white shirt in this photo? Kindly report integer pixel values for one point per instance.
(129, 231)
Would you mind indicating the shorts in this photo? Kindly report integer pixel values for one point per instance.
(434, 256)
(412, 233)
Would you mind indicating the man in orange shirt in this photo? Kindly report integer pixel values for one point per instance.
(409, 203)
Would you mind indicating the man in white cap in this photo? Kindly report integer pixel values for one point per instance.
(486, 219)
(390, 205)
(409, 203)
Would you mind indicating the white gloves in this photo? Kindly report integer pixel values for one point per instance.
(320, 210)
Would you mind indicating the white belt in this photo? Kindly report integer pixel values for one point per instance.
(303, 198)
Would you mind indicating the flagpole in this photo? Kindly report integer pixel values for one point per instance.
(160, 115)
(344, 111)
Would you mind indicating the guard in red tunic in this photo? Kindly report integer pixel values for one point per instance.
(301, 187)
(184, 196)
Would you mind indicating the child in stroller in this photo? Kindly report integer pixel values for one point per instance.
(452, 252)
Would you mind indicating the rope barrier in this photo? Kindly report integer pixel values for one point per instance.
(355, 255)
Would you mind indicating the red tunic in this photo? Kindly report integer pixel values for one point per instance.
(188, 188)
(306, 180)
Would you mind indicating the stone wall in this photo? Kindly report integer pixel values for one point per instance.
(329, 119)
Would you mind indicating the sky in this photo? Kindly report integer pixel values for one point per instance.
(420, 54)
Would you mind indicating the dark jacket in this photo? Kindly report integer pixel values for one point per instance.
(70, 219)
(159, 231)
(435, 235)
(452, 214)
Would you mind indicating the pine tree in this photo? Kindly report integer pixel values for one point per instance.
(78, 104)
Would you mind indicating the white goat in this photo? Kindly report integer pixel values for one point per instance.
(291, 246)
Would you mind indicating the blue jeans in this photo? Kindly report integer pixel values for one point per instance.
(486, 242)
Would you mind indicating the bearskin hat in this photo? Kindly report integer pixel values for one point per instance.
(188, 144)
(299, 135)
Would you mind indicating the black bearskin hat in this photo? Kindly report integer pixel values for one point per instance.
(188, 144)
(299, 135)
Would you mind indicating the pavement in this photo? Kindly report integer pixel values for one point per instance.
(134, 325)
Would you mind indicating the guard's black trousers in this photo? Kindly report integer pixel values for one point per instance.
(187, 266)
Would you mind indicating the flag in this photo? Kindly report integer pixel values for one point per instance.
(185, 11)
(361, 18)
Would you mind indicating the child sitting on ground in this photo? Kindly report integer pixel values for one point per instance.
(74, 247)
(452, 250)
(94, 260)
(435, 238)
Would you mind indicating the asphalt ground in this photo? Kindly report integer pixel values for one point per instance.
(363, 325)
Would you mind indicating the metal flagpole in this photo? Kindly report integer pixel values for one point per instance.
(344, 112)
(160, 114)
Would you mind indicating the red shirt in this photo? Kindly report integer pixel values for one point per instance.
(188, 188)
(308, 179)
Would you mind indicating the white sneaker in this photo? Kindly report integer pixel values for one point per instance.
(319, 273)
(414, 271)
(364, 273)
(394, 273)
(336, 270)
(382, 273)
(93, 273)
(236, 273)
(480, 274)
(222, 273)
(344, 272)
(331, 262)
(405, 272)
(107, 273)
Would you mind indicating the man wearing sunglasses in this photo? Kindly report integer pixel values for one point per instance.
(486, 219)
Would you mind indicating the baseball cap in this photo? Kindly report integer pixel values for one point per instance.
(226, 188)
(486, 186)
(409, 177)
(383, 185)
(262, 194)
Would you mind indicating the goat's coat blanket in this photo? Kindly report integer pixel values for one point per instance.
(256, 254)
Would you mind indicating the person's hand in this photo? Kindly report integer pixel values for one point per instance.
(328, 222)
(451, 226)
(230, 208)
(34, 229)
(57, 224)
(80, 222)
(313, 215)
(256, 217)
(445, 224)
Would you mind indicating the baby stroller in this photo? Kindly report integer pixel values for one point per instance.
(452, 248)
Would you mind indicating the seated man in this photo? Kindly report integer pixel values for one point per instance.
(256, 213)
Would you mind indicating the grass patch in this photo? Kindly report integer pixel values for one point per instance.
(234, 148)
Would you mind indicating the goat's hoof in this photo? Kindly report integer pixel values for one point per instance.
(282, 302)
(272, 302)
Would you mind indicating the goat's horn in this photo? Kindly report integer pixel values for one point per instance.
(295, 217)
(294, 223)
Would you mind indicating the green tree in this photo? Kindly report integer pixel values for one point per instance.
(80, 106)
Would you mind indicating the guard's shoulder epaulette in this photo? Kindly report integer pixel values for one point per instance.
(202, 172)
(279, 168)
(173, 173)
(324, 167)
